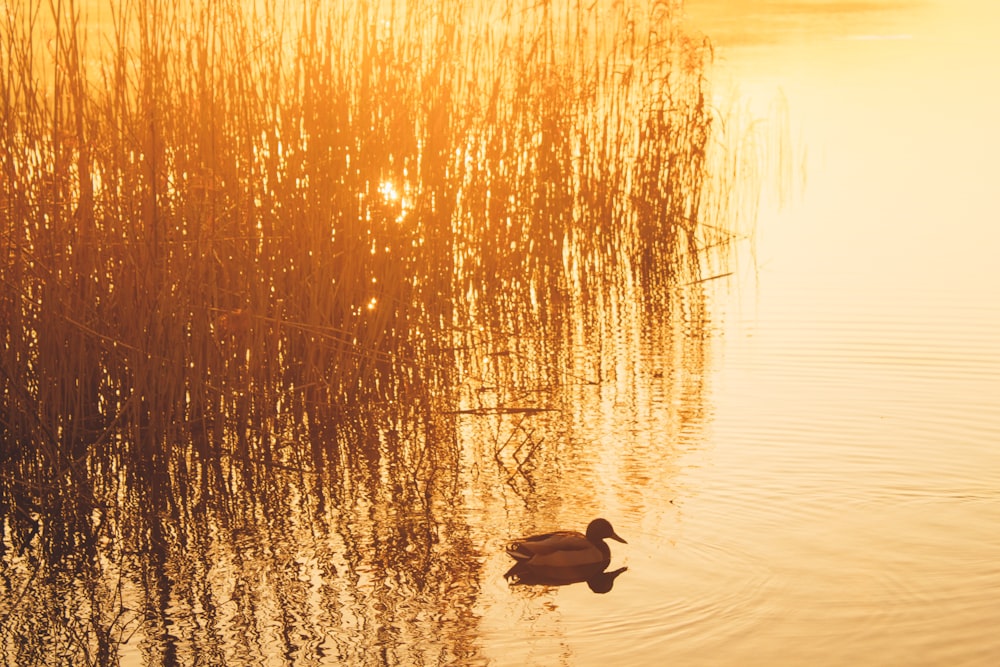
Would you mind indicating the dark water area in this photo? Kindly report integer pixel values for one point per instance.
(368, 541)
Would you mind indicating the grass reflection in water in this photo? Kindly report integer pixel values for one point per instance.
(257, 261)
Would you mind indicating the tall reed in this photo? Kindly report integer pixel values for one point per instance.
(223, 222)
(251, 247)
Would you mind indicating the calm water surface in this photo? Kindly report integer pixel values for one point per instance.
(835, 500)
(842, 505)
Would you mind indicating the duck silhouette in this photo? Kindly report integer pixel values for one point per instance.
(565, 557)
(566, 548)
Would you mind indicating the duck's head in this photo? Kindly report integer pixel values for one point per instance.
(600, 529)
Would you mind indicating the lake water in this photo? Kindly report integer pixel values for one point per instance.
(803, 456)
(832, 495)
(843, 504)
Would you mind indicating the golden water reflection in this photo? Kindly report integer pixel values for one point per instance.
(390, 553)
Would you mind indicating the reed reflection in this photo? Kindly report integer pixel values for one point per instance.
(281, 304)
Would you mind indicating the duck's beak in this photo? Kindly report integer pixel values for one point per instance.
(614, 536)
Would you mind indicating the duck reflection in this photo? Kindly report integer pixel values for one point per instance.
(597, 576)
(565, 557)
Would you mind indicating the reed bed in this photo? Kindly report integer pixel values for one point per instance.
(231, 225)
(254, 251)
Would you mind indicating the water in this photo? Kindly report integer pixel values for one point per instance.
(851, 468)
(838, 498)
(802, 457)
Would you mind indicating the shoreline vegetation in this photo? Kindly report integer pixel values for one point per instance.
(218, 216)
(241, 238)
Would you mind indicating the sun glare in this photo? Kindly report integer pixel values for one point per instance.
(388, 191)
(392, 196)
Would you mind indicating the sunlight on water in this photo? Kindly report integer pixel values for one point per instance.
(854, 440)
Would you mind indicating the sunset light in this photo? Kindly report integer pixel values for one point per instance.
(549, 333)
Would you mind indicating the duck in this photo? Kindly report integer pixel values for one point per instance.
(566, 548)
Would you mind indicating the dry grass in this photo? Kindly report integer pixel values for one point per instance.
(250, 251)
(224, 224)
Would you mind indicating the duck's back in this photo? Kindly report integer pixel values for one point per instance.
(564, 548)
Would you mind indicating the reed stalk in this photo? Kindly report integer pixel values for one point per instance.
(224, 224)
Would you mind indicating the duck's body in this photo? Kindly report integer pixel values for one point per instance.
(566, 548)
